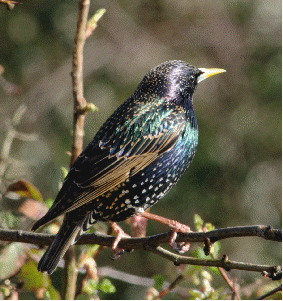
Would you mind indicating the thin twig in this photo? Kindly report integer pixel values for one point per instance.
(70, 269)
(169, 288)
(276, 290)
(224, 263)
(80, 103)
(231, 283)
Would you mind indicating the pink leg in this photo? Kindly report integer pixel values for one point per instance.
(119, 235)
(176, 227)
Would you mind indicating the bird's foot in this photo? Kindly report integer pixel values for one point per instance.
(119, 235)
(179, 247)
(176, 227)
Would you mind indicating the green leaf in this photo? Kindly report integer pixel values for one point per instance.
(107, 287)
(199, 253)
(198, 222)
(32, 278)
(49, 203)
(209, 226)
(8, 220)
(53, 293)
(158, 281)
(214, 270)
(92, 107)
(91, 250)
(90, 287)
(96, 17)
(64, 171)
(215, 249)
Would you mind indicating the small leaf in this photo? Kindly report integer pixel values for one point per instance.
(199, 253)
(25, 190)
(96, 17)
(49, 203)
(90, 286)
(158, 281)
(214, 270)
(35, 281)
(64, 171)
(53, 293)
(209, 226)
(215, 249)
(92, 107)
(8, 220)
(32, 278)
(106, 286)
(92, 23)
(198, 222)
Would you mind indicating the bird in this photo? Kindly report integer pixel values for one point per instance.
(136, 157)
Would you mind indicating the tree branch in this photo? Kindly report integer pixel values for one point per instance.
(152, 243)
(265, 232)
(80, 104)
(231, 284)
(223, 263)
(169, 288)
(276, 290)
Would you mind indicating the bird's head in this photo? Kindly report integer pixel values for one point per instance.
(175, 81)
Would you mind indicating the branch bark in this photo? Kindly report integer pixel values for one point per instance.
(41, 239)
(223, 263)
(152, 244)
(80, 104)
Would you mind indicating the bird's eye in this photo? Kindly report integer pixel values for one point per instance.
(192, 79)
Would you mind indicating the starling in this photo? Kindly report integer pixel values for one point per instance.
(136, 157)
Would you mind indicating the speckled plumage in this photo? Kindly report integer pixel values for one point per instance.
(136, 157)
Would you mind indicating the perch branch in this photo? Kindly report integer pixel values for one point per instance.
(40, 239)
(152, 243)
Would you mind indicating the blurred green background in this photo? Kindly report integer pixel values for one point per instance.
(235, 177)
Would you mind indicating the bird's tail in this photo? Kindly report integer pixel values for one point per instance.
(68, 234)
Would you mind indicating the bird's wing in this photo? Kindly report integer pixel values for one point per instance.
(133, 144)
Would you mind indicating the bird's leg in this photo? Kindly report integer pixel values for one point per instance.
(176, 227)
(119, 235)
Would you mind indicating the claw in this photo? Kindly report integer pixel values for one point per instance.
(176, 227)
(119, 235)
(179, 247)
(117, 253)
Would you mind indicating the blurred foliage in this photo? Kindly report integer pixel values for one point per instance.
(235, 178)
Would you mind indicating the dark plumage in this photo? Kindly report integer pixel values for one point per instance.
(136, 157)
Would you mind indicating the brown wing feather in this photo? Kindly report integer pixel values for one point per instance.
(113, 177)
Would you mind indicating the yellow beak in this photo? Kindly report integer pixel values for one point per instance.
(209, 72)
